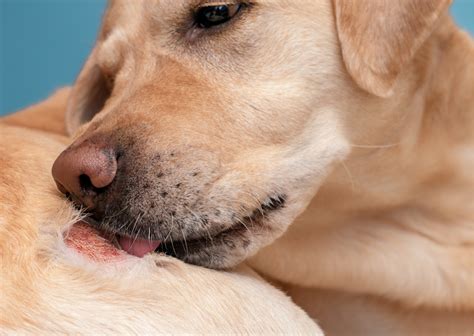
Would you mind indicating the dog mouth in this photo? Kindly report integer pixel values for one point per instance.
(203, 245)
(102, 246)
(86, 235)
(203, 248)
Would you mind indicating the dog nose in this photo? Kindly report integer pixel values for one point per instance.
(84, 171)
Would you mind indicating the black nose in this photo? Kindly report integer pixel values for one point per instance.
(85, 170)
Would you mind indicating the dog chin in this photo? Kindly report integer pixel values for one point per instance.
(221, 251)
(212, 247)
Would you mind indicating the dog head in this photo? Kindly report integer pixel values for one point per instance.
(210, 125)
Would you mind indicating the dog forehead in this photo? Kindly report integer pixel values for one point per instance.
(124, 15)
(129, 22)
(124, 11)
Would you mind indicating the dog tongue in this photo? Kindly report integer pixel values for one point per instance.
(138, 247)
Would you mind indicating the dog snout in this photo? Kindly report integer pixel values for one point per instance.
(84, 171)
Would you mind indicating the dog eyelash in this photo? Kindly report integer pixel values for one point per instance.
(218, 3)
(241, 6)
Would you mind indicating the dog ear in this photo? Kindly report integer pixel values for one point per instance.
(88, 96)
(379, 37)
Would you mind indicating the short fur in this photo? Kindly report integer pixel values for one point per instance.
(48, 288)
(359, 111)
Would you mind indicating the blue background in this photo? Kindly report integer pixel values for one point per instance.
(43, 44)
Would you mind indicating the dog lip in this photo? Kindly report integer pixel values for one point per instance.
(185, 249)
(182, 249)
(139, 247)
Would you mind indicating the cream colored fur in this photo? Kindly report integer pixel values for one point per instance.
(389, 237)
(48, 288)
(361, 111)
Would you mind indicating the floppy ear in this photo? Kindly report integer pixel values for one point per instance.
(88, 96)
(379, 37)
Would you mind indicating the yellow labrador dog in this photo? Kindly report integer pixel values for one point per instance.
(204, 128)
(60, 276)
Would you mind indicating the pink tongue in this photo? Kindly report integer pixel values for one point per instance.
(138, 247)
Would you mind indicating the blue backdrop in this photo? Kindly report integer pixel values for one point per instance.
(43, 44)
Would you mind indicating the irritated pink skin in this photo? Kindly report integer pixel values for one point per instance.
(89, 242)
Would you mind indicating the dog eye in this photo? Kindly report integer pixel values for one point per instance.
(209, 16)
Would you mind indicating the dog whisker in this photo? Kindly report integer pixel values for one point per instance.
(172, 244)
(202, 224)
(186, 250)
(168, 234)
(118, 213)
(245, 226)
(258, 204)
(348, 172)
(124, 224)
